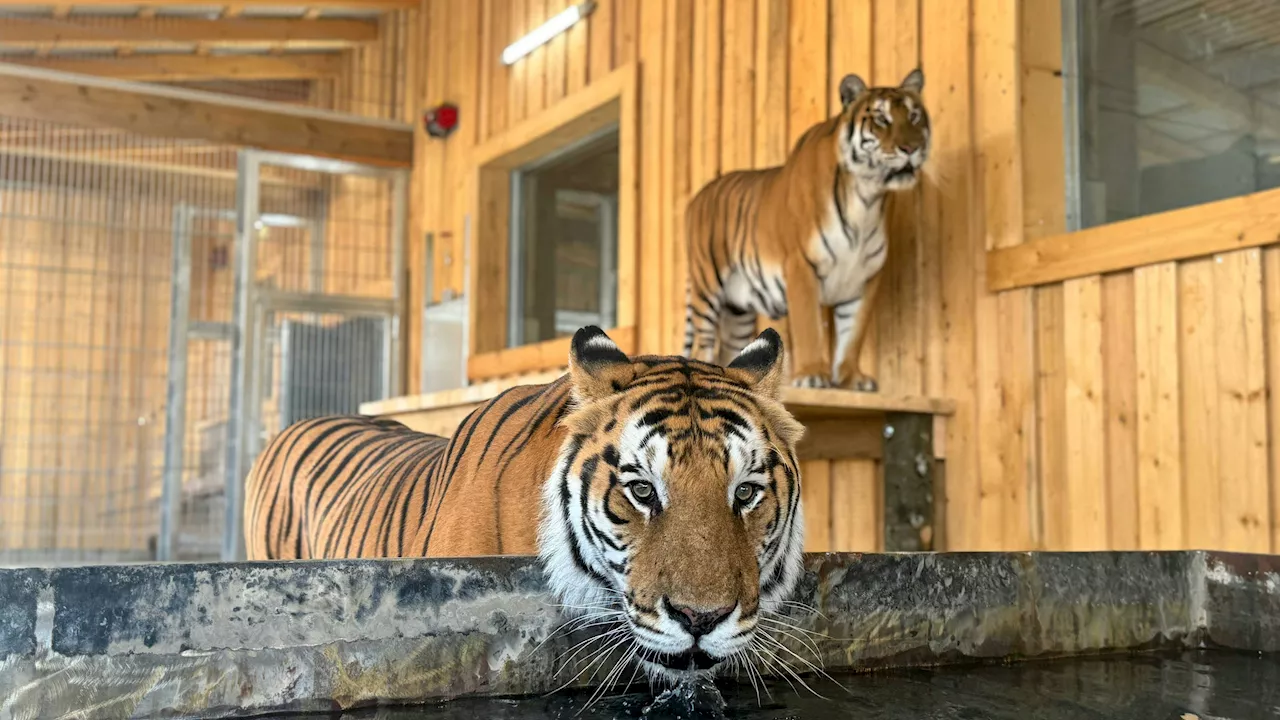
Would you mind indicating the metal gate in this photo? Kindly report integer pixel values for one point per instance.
(309, 326)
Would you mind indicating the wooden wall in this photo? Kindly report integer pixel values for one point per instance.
(725, 84)
(1161, 440)
(1157, 382)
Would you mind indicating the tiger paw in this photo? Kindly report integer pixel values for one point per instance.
(812, 381)
(865, 383)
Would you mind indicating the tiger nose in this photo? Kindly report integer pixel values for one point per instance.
(698, 622)
(906, 149)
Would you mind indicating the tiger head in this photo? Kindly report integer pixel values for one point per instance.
(885, 134)
(674, 508)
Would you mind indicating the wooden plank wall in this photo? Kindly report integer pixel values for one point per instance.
(729, 84)
(1160, 440)
(1155, 386)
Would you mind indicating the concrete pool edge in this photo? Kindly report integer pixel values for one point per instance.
(220, 640)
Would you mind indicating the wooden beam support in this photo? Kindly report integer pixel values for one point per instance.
(363, 5)
(24, 32)
(295, 66)
(1232, 224)
(88, 101)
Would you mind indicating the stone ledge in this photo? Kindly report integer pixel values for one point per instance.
(220, 640)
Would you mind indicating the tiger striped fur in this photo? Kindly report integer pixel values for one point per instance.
(793, 239)
(645, 469)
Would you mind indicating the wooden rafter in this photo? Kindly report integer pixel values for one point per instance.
(380, 5)
(38, 94)
(295, 66)
(19, 32)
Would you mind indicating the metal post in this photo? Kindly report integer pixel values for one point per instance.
(316, 229)
(466, 293)
(249, 167)
(1072, 114)
(399, 226)
(517, 261)
(909, 466)
(428, 292)
(175, 421)
(608, 263)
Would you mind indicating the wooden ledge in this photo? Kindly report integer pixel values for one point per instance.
(807, 404)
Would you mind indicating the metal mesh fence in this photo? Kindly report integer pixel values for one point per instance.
(88, 224)
(86, 227)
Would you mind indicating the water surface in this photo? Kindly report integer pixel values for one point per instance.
(1187, 686)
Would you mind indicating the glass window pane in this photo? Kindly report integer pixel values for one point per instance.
(564, 242)
(1179, 104)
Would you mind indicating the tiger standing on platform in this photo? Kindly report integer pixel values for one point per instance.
(793, 239)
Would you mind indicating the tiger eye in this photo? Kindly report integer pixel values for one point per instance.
(641, 490)
(745, 492)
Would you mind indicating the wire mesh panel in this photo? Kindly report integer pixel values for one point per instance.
(118, 400)
(321, 282)
(86, 227)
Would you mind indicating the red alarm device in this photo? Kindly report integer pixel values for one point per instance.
(442, 120)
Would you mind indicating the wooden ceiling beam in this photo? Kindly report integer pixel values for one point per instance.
(26, 32)
(380, 5)
(87, 101)
(294, 66)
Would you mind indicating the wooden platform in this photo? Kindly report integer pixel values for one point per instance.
(840, 423)
(872, 465)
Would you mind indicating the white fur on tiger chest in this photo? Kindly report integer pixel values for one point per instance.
(849, 253)
(854, 250)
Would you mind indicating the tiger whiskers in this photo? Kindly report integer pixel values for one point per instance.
(780, 667)
(595, 660)
(584, 644)
(597, 616)
(768, 651)
(618, 667)
(806, 638)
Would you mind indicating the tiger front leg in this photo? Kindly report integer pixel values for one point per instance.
(810, 349)
(701, 320)
(851, 320)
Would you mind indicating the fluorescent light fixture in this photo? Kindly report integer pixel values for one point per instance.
(547, 30)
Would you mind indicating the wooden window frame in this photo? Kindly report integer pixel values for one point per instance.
(611, 100)
(1047, 253)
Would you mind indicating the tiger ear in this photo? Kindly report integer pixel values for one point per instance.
(597, 368)
(760, 364)
(850, 88)
(914, 81)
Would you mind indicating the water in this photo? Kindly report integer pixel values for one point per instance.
(1189, 686)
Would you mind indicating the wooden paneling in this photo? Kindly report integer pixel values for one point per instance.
(1160, 492)
(1005, 351)
(726, 85)
(1106, 406)
(1155, 380)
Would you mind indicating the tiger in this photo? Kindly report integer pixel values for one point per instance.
(792, 239)
(668, 488)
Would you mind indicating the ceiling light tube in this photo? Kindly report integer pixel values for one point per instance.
(547, 30)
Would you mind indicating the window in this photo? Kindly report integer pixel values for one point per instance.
(552, 239)
(1175, 104)
(564, 235)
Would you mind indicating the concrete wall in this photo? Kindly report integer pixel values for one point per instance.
(217, 640)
